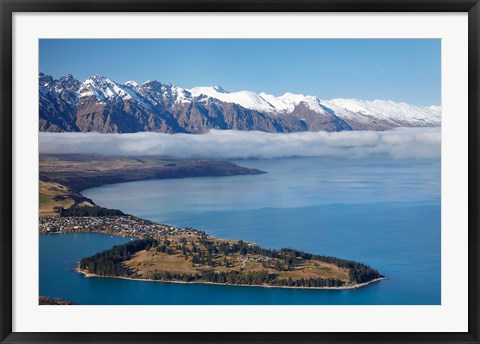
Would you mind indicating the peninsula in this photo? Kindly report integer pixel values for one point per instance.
(194, 257)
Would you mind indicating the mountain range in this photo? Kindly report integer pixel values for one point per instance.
(102, 105)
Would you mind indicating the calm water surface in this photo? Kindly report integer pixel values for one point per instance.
(383, 212)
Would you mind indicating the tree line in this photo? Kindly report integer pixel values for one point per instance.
(94, 211)
(243, 278)
(110, 262)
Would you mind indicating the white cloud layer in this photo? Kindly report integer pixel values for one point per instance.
(398, 143)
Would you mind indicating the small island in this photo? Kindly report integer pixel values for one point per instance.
(167, 253)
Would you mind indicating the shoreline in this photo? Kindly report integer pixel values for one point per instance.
(119, 234)
(137, 237)
(147, 232)
(123, 234)
(130, 169)
(350, 287)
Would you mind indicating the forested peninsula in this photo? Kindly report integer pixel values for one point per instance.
(199, 258)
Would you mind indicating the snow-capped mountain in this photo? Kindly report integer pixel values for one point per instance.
(103, 105)
(58, 100)
(355, 110)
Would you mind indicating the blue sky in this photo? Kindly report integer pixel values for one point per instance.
(397, 69)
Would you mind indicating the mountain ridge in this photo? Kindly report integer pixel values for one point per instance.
(102, 105)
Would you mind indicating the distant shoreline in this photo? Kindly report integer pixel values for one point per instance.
(350, 287)
(122, 169)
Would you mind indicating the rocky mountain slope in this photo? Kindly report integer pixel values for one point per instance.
(103, 105)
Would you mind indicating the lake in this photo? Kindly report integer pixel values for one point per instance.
(380, 211)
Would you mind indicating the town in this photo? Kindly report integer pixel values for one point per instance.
(115, 225)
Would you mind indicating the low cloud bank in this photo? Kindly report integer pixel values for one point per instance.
(398, 143)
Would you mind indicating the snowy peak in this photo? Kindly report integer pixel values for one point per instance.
(246, 99)
(132, 83)
(103, 89)
(167, 94)
(67, 84)
(45, 82)
(289, 101)
(176, 94)
(400, 114)
(62, 90)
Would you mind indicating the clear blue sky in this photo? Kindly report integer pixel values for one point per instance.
(397, 69)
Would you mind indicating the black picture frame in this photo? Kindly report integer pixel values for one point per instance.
(8, 7)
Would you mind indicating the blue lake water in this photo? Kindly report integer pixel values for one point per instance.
(382, 212)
